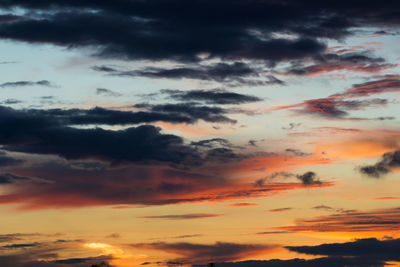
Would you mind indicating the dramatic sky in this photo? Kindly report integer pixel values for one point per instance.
(178, 133)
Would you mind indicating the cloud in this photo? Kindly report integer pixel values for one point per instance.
(26, 245)
(331, 108)
(6, 160)
(219, 72)
(27, 260)
(292, 126)
(280, 209)
(336, 106)
(9, 18)
(42, 254)
(8, 178)
(308, 178)
(170, 113)
(267, 30)
(202, 253)
(389, 161)
(87, 260)
(26, 83)
(372, 248)
(50, 132)
(318, 262)
(10, 101)
(136, 184)
(212, 143)
(373, 222)
(183, 216)
(233, 74)
(387, 84)
(244, 204)
(191, 110)
(40, 135)
(297, 152)
(173, 38)
(107, 92)
(216, 96)
(354, 62)
(328, 208)
(13, 237)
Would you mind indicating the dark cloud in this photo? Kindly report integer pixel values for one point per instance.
(8, 178)
(9, 18)
(220, 72)
(107, 92)
(50, 132)
(385, 118)
(137, 184)
(280, 209)
(6, 160)
(212, 143)
(114, 235)
(292, 126)
(72, 261)
(26, 245)
(323, 207)
(137, 36)
(104, 68)
(42, 254)
(325, 262)
(200, 253)
(27, 83)
(371, 248)
(216, 96)
(336, 106)
(184, 216)
(308, 178)
(252, 143)
(28, 260)
(191, 110)
(354, 62)
(386, 84)
(233, 74)
(297, 152)
(11, 237)
(376, 221)
(264, 181)
(331, 108)
(100, 115)
(37, 133)
(11, 101)
(389, 161)
(178, 30)
(164, 263)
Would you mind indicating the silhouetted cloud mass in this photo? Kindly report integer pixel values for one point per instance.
(371, 248)
(308, 178)
(389, 161)
(216, 96)
(26, 83)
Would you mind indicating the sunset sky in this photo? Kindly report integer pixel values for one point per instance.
(179, 133)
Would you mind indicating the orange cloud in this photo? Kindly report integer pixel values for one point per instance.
(373, 223)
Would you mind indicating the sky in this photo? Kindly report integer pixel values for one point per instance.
(182, 133)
